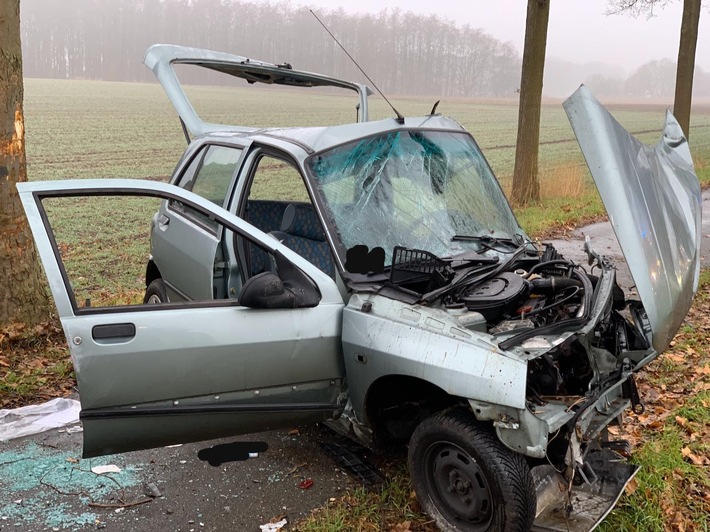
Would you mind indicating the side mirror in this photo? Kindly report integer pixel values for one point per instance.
(266, 290)
(291, 288)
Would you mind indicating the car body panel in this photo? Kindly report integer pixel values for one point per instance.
(653, 199)
(160, 58)
(401, 339)
(205, 362)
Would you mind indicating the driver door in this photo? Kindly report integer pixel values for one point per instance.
(153, 375)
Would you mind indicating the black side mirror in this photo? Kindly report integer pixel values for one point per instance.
(266, 290)
(291, 288)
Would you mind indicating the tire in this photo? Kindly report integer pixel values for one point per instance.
(466, 479)
(156, 293)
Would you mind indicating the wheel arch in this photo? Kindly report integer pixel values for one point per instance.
(151, 272)
(395, 404)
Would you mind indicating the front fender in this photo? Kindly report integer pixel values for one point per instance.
(389, 337)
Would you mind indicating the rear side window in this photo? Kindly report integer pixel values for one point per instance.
(215, 174)
(209, 175)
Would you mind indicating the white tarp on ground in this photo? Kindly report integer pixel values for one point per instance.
(33, 419)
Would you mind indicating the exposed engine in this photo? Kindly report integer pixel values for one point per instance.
(524, 298)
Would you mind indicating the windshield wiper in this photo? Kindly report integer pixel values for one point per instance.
(476, 276)
(493, 242)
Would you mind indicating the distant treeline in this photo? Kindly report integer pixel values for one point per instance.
(404, 53)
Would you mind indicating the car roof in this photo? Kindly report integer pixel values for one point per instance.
(315, 139)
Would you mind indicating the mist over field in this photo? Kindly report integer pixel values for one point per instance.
(405, 53)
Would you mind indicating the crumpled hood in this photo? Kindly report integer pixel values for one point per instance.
(652, 196)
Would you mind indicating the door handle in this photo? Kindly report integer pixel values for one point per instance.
(113, 330)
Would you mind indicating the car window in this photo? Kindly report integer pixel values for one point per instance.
(104, 245)
(188, 177)
(209, 174)
(278, 203)
(215, 174)
(276, 179)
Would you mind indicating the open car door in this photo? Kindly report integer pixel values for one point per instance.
(153, 375)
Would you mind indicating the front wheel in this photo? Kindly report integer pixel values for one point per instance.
(156, 293)
(466, 479)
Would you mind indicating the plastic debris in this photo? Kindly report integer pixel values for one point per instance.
(33, 419)
(102, 469)
(272, 527)
(151, 490)
(306, 484)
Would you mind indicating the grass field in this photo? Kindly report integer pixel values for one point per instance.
(104, 129)
(86, 129)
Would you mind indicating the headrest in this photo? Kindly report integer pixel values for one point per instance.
(301, 220)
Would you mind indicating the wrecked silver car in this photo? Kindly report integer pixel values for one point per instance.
(373, 275)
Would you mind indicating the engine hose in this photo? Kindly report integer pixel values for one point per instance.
(557, 327)
(555, 283)
(541, 265)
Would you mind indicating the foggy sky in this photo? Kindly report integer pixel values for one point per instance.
(579, 30)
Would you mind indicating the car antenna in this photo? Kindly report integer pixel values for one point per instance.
(400, 118)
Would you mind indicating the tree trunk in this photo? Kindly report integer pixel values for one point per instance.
(526, 187)
(24, 298)
(686, 63)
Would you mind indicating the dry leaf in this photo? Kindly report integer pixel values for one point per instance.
(691, 457)
(632, 486)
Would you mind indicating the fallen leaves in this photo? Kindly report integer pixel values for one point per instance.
(632, 486)
(673, 432)
(34, 364)
(694, 458)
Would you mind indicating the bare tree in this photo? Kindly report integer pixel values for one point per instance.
(526, 186)
(23, 295)
(686, 49)
(686, 64)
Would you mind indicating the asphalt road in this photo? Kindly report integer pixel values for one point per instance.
(44, 485)
(604, 243)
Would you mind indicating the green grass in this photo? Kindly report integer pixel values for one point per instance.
(85, 129)
(81, 129)
(371, 510)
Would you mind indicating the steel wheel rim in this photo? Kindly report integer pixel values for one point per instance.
(154, 300)
(457, 486)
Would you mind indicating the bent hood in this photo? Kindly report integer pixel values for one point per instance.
(652, 196)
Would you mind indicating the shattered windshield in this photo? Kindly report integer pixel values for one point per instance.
(426, 190)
